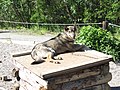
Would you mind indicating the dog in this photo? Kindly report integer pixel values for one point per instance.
(62, 43)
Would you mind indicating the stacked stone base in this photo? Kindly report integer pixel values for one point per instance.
(94, 78)
(87, 71)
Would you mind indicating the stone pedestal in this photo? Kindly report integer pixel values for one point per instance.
(78, 71)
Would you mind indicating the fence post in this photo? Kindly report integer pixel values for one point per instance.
(105, 25)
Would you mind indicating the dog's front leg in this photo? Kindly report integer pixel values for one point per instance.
(51, 58)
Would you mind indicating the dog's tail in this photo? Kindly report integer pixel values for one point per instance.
(18, 54)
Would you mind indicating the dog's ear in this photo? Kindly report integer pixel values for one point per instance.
(75, 28)
(66, 28)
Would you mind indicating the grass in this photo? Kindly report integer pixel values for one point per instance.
(32, 31)
(41, 30)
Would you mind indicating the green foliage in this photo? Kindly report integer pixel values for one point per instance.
(115, 32)
(100, 40)
(60, 11)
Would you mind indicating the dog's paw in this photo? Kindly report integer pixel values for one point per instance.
(55, 62)
(58, 58)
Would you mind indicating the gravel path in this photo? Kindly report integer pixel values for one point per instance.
(115, 82)
(6, 66)
(6, 47)
(11, 43)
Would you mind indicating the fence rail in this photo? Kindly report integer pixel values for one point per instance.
(114, 25)
(104, 24)
(47, 24)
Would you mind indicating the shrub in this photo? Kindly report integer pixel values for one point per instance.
(100, 40)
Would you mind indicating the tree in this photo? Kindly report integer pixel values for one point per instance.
(60, 11)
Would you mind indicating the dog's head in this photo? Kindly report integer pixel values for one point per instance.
(70, 32)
